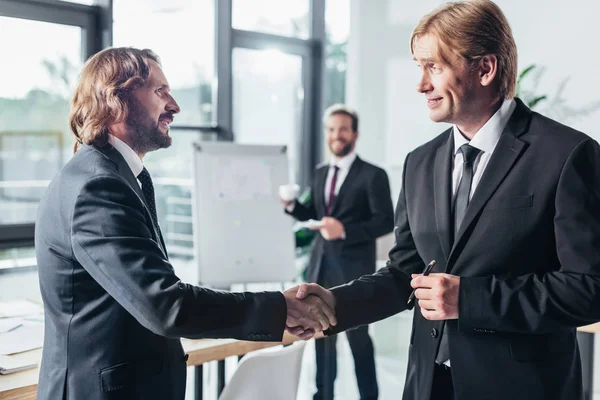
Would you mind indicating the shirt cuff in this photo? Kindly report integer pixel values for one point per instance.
(291, 207)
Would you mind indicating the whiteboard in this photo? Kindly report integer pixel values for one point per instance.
(241, 233)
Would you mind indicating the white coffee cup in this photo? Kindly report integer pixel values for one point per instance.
(289, 192)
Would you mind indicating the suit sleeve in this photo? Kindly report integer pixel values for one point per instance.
(567, 298)
(375, 297)
(382, 212)
(112, 242)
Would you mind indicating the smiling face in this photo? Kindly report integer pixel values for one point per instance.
(340, 135)
(450, 87)
(151, 111)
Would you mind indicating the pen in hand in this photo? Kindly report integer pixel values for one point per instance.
(426, 272)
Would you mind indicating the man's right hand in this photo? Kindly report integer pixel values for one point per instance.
(286, 203)
(307, 312)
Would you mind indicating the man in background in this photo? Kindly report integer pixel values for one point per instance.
(507, 202)
(114, 309)
(351, 198)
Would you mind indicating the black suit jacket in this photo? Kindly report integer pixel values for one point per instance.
(114, 309)
(528, 254)
(364, 206)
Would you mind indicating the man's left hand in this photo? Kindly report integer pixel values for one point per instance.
(437, 294)
(332, 229)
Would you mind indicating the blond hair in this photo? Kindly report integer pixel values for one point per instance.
(344, 110)
(101, 96)
(471, 30)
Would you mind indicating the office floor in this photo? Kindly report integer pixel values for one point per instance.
(390, 338)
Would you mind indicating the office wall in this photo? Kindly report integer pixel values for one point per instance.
(557, 35)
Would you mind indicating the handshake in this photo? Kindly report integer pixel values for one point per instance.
(310, 309)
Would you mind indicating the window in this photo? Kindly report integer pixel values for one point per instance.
(267, 100)
(285, 18)
(337, 25)
(182, 34)
(35, 141)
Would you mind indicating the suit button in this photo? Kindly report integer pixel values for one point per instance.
(434, 333)
(185, 357)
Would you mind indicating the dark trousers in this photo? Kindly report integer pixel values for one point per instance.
(364, 364)
(361, 346)
(442, 387)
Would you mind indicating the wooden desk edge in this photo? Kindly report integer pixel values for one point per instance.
(21, 393)
(28, 379)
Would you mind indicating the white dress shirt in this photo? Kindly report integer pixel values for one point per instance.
(485, 140)
(131, 158)
(344, 165)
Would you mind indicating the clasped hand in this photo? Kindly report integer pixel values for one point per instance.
(437, 294)
(310, 309)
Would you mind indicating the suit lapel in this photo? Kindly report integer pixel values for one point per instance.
(125, 172)
(442, 178)
(321, 176)
(507, 152)
(350, 178)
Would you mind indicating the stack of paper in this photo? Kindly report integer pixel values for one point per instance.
(21, 327)
(19, 308)
(8, 365)
(26, 335)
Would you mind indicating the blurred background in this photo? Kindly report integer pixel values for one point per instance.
(258, 72)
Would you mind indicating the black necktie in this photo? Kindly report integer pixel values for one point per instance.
(148, 190)
(461, 202)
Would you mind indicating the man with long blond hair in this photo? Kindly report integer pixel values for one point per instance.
(507, 202)
(115, 310)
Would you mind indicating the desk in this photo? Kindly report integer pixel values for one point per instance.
(23, 385)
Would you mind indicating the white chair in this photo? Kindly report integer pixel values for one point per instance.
(267, 374)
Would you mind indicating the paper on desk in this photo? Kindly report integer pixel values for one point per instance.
(311, 223)
(19, 308)
(28, 336)
(9, 365)
(8, 324)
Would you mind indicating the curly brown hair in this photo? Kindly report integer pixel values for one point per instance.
(101, 96)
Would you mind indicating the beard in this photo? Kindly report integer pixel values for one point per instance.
(344, 151)
(144, 132)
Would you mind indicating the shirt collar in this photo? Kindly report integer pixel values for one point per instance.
(344, 162)
(131, 158)
(487, 137)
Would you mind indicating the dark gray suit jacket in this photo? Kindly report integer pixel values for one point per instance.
(528, 254)
(114, 309)
(364, 206)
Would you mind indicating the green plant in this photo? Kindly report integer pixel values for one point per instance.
(528, 97)
(554, 106)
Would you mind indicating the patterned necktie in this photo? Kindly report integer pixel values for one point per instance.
(332, 189)
(148, 190)
(461, 201)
